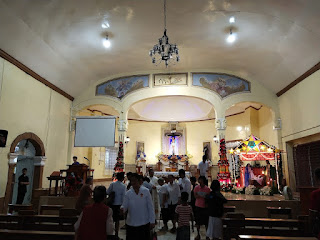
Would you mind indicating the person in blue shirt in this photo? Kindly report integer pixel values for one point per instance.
(75, 160)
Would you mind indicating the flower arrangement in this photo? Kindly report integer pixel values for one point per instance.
(250, 190)
(266, 190)
(237, 190)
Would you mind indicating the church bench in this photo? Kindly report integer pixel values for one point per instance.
(263, 226)
(253, 237)
(17, 207)
(35, 235)
(279, 211)
(228, 209)
(50, 208)
(38, 222)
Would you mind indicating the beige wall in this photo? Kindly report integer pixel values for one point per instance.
(26, 105)
(300, 114)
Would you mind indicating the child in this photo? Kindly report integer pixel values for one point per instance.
(184, 212)
(163, 199)
(215, 202)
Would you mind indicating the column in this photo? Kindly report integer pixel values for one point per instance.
(39, 162)
(221, 125)
(12, 162)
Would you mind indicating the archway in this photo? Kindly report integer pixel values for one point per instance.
(38, 157)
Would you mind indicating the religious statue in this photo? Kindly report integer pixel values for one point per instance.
(141, 158)
(173, 149)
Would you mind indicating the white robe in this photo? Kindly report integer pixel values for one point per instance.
(155, 196)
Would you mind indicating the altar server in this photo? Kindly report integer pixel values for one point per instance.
(154, 193)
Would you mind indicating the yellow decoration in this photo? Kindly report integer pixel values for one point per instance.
(231, 151)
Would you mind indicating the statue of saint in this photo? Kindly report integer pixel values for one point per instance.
(141, 159)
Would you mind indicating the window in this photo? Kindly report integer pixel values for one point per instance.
(110, 160)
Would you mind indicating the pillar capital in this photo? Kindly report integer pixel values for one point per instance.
(122, 125)
(221, 123)
(12, 157)
(39, 160)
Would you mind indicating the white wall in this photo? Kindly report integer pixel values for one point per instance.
(26, 105)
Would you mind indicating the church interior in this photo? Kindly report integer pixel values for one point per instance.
(133, 85)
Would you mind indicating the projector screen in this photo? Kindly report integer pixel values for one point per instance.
(95, 131)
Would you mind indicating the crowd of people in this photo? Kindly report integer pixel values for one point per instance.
(142, 201)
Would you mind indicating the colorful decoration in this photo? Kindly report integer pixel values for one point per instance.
(222, 84)
(119, 166)
(224, 174)
(120, 87)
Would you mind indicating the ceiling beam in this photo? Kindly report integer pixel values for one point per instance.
(33, 74)
(300, 79)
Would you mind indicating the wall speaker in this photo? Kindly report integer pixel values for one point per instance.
(3, 138)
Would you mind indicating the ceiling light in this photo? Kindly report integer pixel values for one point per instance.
(105, 25)
(232, 19)
(231, 38)
(164, 51)
(106, 42)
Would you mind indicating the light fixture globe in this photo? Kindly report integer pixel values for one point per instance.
(164, 51)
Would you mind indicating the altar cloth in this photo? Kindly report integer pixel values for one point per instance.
(166, 174)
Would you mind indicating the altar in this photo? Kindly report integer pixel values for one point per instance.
(166, 174)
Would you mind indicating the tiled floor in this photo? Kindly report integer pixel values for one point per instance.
(167, 235)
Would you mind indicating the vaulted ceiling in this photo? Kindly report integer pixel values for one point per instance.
(61, 40)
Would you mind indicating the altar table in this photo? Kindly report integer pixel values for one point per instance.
(166, 174)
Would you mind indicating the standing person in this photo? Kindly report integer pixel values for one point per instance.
(127, 183)
(95, 221)
(194, 183)
(173, 200)
(140, 218)
(185, 184)
(163, 200)
(203, 167)
(23, 181)
(200, 193)
(85, 195)
(314, 211)
(215, 202)
(154, 193)
(184, 212)
(75, 160)
(119, 190)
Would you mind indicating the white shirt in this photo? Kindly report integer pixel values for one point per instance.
(109, 223)
(186, 186)
(139, 206)
(120, 190)
(162, 191)
(147, 185)
(174, 193)
(203, 167)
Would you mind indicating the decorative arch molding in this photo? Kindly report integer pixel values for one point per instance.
(33, 138)
(200, 93)
(112, 102)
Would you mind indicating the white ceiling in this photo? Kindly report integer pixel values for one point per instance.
(172, 108)
(61, 40)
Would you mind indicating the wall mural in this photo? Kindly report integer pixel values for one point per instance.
(222, 84)
(122, 86)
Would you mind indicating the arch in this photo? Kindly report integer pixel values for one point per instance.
(33, 138)
(204, 94)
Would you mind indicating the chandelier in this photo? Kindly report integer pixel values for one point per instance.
(164, 51)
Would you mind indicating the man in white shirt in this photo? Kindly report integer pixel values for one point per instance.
(185, 184)
(140, 218)
(173, 200)
(163, 200)
(118, 189)
(154, 193)
(203, 167)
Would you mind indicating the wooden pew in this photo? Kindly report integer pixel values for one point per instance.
(263, 227)
(18, 207)
(38, 222)
(279, 211)
(35, 235)
(50, 208)
(253, 237)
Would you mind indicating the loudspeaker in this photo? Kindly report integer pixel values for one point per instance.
(3, 138)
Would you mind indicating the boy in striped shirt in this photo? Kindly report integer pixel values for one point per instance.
(184, 216)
